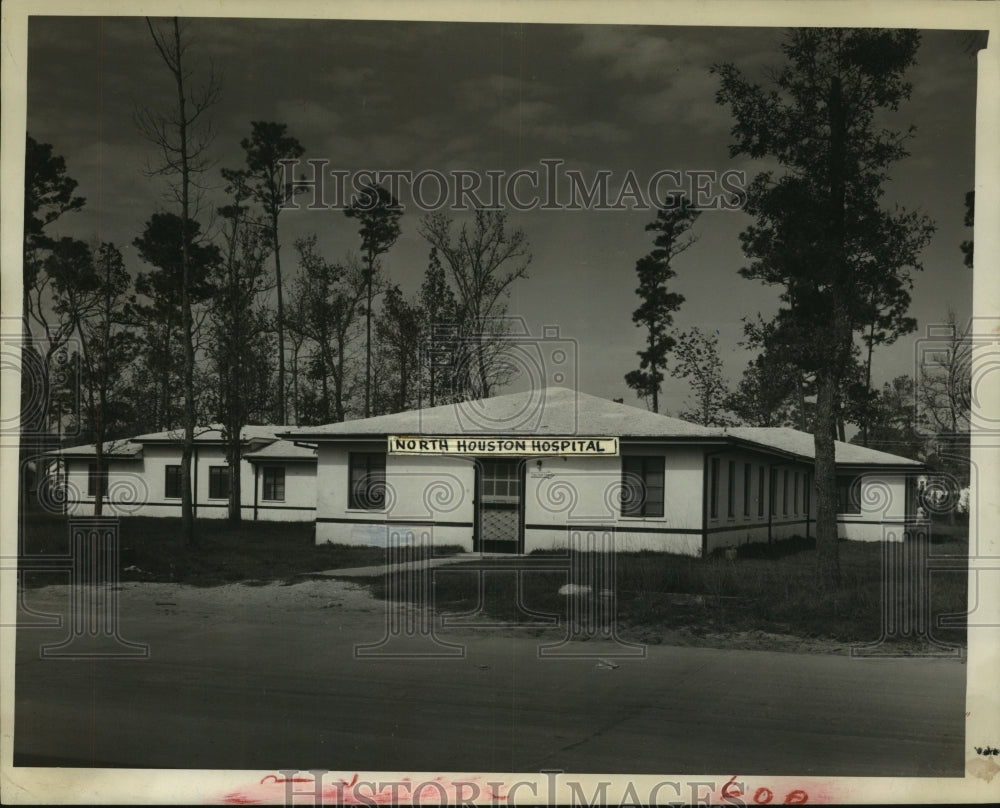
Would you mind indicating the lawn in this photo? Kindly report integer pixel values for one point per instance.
(151, 550)
(765, 588)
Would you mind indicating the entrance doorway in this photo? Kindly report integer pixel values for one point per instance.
(499, 523)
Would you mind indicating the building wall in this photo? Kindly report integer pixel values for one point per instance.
(785, 509)
(567, 498)
(138, 487)
(883, 509)
(127, 488)
(427, 499)
(299, 504)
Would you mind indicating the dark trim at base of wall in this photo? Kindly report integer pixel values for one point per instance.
(617, 529)
(177, 504)
(756, 526)
(402, 522)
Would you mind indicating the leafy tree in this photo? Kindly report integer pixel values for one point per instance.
(698, 361)
(268, 145)
(484, 259)
(439, 326)
(48, 195)
(161, 318)
(378, 211)
(970, 221)
(240, 326)
(944, 397)
(328, 299)
(821, 234)
(182, 138)
(399, 330)
(655, 314)
(894, 426)
(95, 298)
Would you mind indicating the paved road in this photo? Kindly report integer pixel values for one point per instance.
(236, 691)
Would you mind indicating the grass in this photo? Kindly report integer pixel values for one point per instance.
(765, 588)
(770, 588)
(151, 550)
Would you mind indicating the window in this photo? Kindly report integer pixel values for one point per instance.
(760, 490)
(773, 493)
(642, 485)
(92, 481)
(805, 494)
(746, 489)
(274, 483)
(367, 481)
(172, 482)
(784, 491)
(713, 494)
(218, 482)
(795, 494)
(848, 494)
(501, 478)
(731, 489)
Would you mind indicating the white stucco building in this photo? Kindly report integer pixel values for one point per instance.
(277, 478)
(527, 471)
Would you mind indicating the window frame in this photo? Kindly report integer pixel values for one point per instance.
(92, 480)
(731, 490)
(356, 499)
(269, 486)
(747, 480)
(761, 492)
(215, 474)
(169, 471)
(647, 464)
(844, 495)
(713, 491)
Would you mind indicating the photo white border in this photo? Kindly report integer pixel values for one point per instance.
(111, 786)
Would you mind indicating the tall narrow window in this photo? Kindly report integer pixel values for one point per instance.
(714, 490)
(218, 482)
(795, 494)
(848, 494)
(366, 487)
(772, 493)
(274, 483)
(784, 492)
(92, 477)
(760, 490)
(746, 489)
(172, 482)
(643, 485)
(806, 494)
(731, 489)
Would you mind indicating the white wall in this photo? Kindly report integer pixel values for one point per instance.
(419, 491)
(299, 504)
(749, 522)
(138, 487)
(576, 493)
(883, 509)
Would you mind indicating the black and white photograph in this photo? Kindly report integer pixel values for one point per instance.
(527, 403)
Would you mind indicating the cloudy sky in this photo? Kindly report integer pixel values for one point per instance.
(500, 97)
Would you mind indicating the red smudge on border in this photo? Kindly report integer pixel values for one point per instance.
(275, 789)
(786, 791)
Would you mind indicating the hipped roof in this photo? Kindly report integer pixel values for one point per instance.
(557, 411)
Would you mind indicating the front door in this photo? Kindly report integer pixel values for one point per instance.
(499, 506)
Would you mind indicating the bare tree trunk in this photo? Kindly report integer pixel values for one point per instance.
(282, 415)
(828, 561)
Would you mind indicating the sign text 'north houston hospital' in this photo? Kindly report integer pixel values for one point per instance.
(465, 445)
